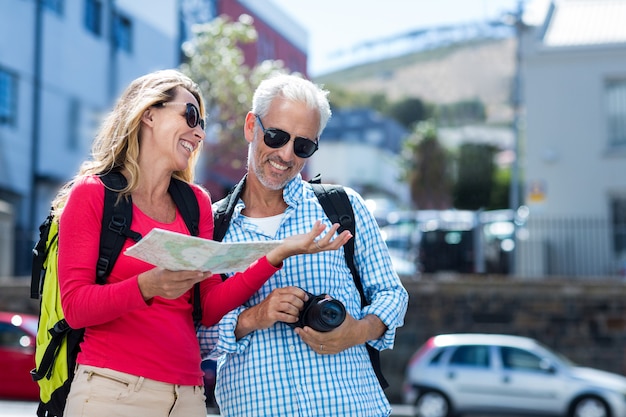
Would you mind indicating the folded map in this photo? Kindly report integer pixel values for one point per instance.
(179, 252)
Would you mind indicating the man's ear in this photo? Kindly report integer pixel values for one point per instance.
(249, 126)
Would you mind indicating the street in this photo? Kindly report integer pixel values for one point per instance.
(29, 408)
(22, 408)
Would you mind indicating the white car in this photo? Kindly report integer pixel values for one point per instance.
(457, 374)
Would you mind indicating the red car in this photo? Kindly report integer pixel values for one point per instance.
(18, 333)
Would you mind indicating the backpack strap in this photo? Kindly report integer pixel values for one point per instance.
(223, 210)
(338, 209)
(116, 220)
(57, 333)
(39, 257)
(187, 203)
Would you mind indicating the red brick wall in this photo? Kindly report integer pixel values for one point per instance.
(294, 58)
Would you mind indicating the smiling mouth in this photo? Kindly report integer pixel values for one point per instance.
(279, 166)
(187, 146)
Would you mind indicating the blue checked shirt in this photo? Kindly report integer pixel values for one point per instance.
(271, 372)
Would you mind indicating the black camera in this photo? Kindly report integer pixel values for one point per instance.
(321, 313)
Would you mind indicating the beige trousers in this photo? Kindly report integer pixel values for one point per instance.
(101, 392)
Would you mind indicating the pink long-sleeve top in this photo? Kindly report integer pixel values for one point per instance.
(154, 339)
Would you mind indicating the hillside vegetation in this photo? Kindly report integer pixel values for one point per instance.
(481, 70)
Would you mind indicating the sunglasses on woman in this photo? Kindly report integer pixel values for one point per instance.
(276, 138)
(192, 114)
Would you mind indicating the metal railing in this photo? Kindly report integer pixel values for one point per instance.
(539, 246)
(566, 246)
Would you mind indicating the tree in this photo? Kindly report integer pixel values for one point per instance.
(501, 189)
(409, 111)
(461, 113)
(475, 180)
(426, 168)
(216, 62)
(341, 98)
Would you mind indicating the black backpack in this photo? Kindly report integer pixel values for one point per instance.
(338, 209)
(57, 343)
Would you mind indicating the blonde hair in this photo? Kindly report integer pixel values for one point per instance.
(116, 145)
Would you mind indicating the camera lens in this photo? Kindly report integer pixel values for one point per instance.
(333, 313)
(325, 315)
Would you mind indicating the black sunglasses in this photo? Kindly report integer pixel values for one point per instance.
(276, 138)
(192, 114)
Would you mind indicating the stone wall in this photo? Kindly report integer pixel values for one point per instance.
(15, 296)
(585, 319)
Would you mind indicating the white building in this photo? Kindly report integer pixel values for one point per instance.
(62, 63)
(574, 148)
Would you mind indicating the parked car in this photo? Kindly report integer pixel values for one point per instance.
(402, 241)
(447, 242)
(18, 334)
(455, 374)
(499, 237)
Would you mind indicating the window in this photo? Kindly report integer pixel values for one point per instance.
(93, 16)
(436, 359)
(8, 98)
(122, 32)
(514, 358)
(616, 112)
(477, 356)
(55, 6)
(618, 221)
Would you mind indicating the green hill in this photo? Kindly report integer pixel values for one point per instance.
(481, 69)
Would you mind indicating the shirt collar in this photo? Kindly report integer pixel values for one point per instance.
(292, 194)
(293, 191)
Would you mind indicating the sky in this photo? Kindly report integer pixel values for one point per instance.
(336, 26)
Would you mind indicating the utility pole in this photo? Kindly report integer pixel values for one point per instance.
(31, 228)
(514, 197)
(112, 51)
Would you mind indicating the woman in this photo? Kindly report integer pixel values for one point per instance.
(140, 355)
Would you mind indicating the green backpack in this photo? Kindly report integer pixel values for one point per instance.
(57, 343)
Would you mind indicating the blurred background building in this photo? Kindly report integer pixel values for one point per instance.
(63, 63)
(573, 69)
(554, 91)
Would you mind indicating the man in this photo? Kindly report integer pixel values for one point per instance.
(267, 367)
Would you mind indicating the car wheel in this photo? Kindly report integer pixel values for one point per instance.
(590, 407)
(432, 404)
